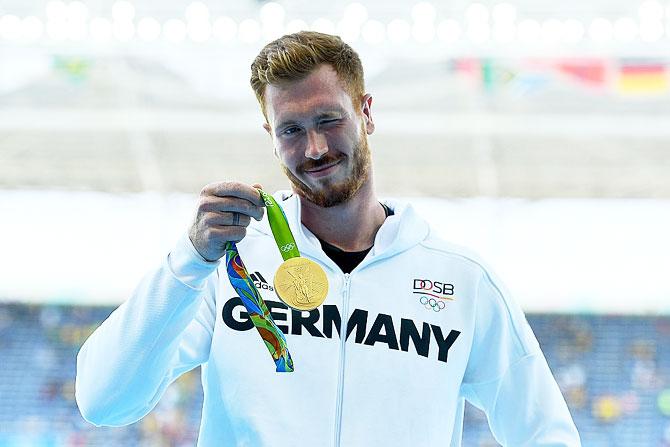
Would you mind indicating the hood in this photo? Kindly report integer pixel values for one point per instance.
(399, 232)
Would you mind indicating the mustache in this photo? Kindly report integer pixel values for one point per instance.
(311, 165)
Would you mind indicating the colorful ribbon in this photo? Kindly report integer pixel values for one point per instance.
(258, 312)
(239, 278)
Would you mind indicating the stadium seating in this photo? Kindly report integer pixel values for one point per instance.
(613, 371)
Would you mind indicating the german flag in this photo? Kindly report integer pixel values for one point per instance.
(642, 77)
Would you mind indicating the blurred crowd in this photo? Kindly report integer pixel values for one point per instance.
(614, 372)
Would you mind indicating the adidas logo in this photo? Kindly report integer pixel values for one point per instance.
(260, 282)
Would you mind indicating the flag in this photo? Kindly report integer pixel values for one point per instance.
(642, 77)
(592, 72)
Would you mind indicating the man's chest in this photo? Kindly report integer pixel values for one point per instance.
(385, 308)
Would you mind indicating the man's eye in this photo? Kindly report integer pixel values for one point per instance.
(329, 121)
(290, 130)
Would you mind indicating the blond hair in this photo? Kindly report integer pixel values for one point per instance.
(294, 56)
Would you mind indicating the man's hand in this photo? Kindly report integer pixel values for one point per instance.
(224, 211)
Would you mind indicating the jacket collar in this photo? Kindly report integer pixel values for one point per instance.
(399, 232)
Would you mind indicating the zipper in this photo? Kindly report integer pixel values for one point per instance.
(340, 375)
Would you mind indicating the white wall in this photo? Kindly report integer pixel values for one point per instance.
(608, 256)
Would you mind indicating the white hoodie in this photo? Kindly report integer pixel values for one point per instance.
(428, 326)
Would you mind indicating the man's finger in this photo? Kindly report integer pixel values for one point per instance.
(223, 219)
(234, 189)
(231, 204)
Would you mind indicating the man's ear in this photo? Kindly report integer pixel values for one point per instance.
(366, 111)
(268, 129)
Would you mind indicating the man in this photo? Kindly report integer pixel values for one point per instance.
(411, 328)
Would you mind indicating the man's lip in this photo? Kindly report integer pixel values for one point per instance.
(323, 168)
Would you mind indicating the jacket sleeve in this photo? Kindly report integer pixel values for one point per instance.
(508, 377)
(163, 330)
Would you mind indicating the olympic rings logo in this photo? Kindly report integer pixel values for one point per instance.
(288, 247)
(432, 303)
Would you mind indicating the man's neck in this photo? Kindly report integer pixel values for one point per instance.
(350, 226)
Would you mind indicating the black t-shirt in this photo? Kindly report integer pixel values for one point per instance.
(348, 260)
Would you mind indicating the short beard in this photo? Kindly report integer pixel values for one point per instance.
(334, 194)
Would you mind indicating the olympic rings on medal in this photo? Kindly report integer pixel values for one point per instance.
(288, 247)
(432, 303)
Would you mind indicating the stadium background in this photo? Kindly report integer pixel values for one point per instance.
(534, 132)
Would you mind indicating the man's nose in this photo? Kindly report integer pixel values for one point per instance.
(317, 146)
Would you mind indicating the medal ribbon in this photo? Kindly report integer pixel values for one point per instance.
(280, 229)
(246, 289)
(257, 309)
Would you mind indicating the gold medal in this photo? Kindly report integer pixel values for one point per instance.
(301, 283)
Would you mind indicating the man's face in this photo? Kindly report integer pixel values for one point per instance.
(320, 137)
